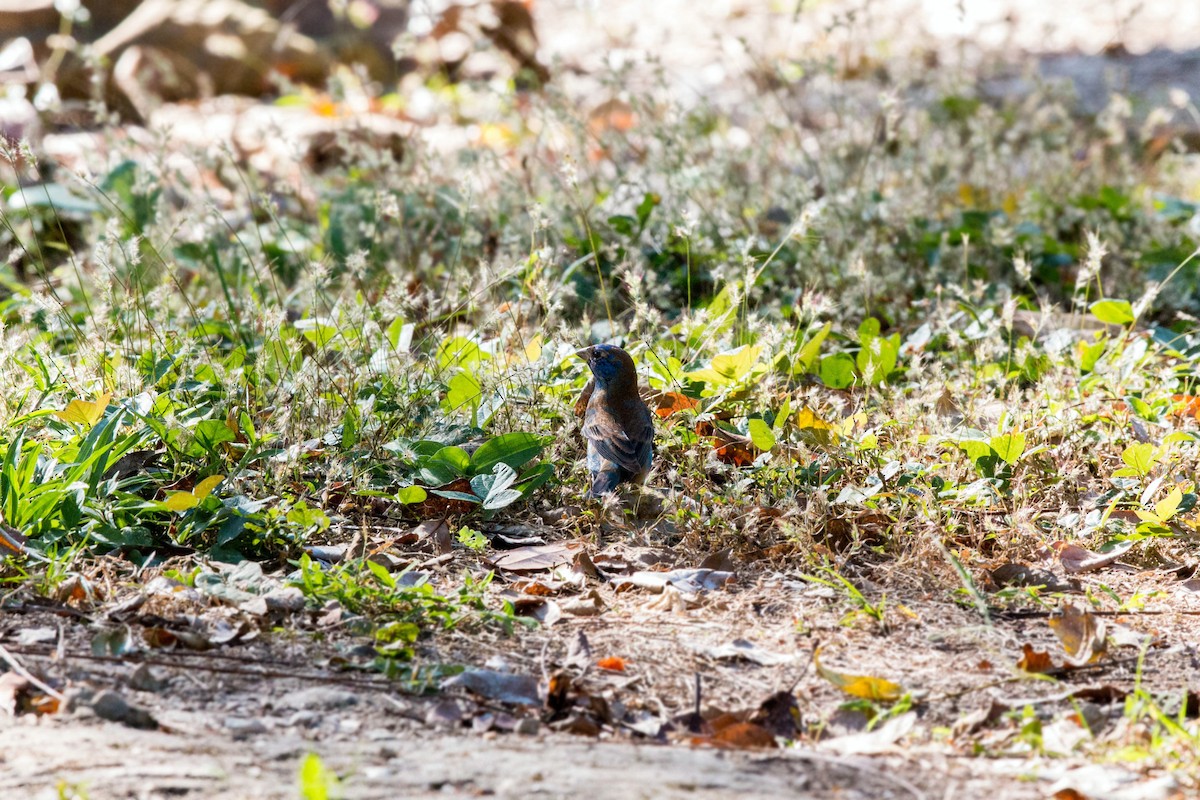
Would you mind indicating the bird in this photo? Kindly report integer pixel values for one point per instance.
(617, 425)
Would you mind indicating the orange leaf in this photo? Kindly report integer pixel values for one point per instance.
(1033, 661)
(1189, 405)
(612, 664)
(744, 735)
(671, 402)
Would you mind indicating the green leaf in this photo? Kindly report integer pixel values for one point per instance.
(877, 358)
(728, 368)
(381, 574)
(451, 495)
(463, 391)
(411, 494)
(444, 466)
(1010, 446)
(210, 434)
(514, 449)
(495, 489)
(1089, 354)
(1113, 312)
(975, 448)
(649, 201)
(459, 352)
(1141, 458)
(761, 434)
(837, 371)
(534, 478)
(471, 538)
(869, 329)
(811, 350)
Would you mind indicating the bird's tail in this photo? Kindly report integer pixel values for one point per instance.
(605, 481)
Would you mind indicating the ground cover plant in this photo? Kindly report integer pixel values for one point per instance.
(923, 362)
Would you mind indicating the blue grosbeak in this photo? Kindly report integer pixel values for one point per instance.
(617, 424)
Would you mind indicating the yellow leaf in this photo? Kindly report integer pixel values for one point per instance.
(808, 420)
(204, 488)
(533, 350)
(966, 194)
(1165, 509)
(83, 412)
(1010, 204)
(864, 686)
(181, 501)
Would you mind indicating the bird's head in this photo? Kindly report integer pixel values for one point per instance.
(609, 364)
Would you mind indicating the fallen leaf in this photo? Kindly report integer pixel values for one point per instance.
(612, 664)
(692, 581)
(537, 558)
(864, 686)
(1077, 559)
(503, 687)
(744, 735)
(1035, 661)
(748, 651)
(878, 740)
(1081, 633)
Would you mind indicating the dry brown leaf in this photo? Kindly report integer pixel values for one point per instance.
(503, 687)
(1081, 633)
(1077, 559)
(1035, 661)
(536, 558)
(743, 735)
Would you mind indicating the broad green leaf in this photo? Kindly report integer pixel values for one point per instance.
(837, 371)
(455, 457)
(1010, 446)
(1089, 354)
(877, 358)
(1112, 312)
(463, 391)
(761, 434)
(210, 434)
(534, 478)
(459, 352)
(1141, 457)
(451, 495)
(515, 449)
(868, 329)
(728, 368)
(444, 466)
(496, 489)
(411, 494)
(975, 448)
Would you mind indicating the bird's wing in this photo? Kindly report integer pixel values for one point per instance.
(628, 443)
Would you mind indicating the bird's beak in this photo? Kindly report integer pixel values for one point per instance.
(585, 354)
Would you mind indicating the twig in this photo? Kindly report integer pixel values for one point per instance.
(16, 667)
